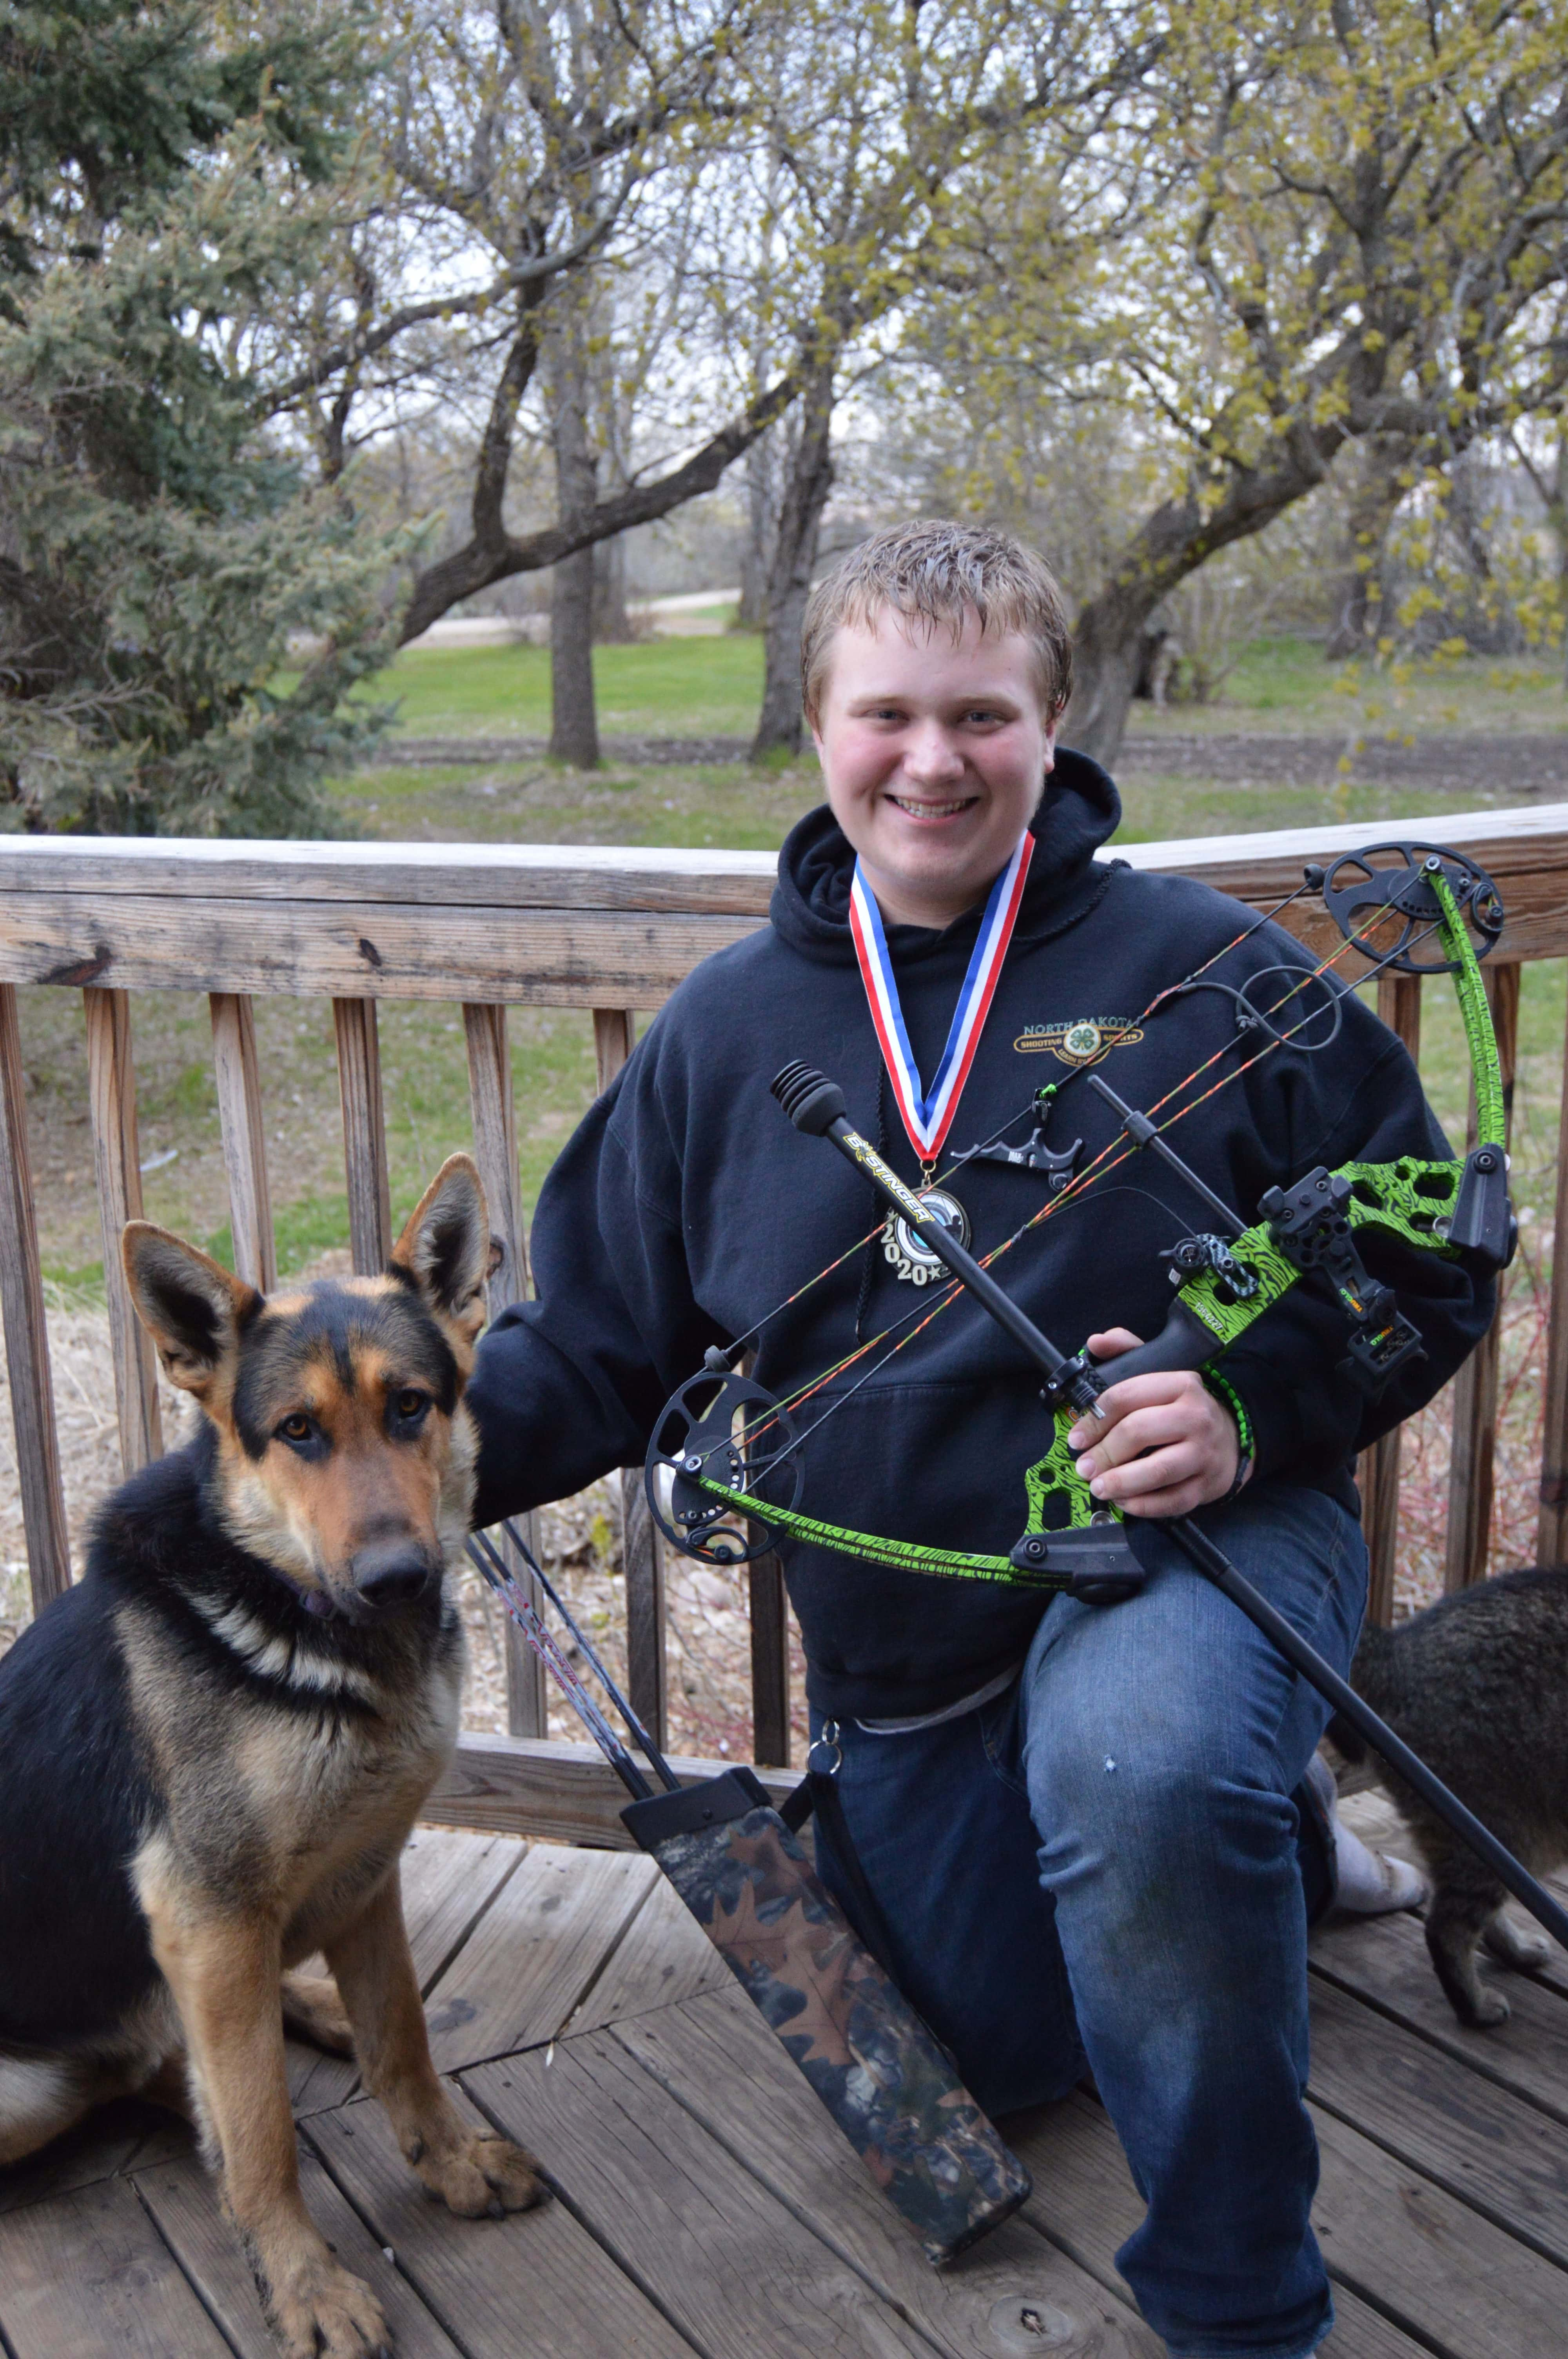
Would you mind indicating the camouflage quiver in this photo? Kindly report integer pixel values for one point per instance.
(882, 2075)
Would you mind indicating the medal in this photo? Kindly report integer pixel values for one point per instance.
(911, 1258)
(927, 1114)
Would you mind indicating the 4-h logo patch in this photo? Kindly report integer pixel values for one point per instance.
(1082, 1042)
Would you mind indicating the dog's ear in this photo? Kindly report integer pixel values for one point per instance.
(191, 1305)
(446, 1248)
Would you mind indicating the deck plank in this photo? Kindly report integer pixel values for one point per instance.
(87, 2277)
(1455, 2279)
(115, 2139)
(536, 2282)
(534, 1954)
(448, 1881)
(183, 2202)
(1482, 2143)
(717, 2059)
(723, 2257)
(662, 1958)
(1086, 2201)
(1383, 1960)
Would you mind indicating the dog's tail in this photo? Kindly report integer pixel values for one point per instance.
(1373, 1675)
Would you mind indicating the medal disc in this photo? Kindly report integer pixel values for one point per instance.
(911, 1258)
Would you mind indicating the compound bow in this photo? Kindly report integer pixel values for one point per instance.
(723, 1444)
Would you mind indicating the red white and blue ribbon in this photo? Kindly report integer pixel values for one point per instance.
(928, 1113)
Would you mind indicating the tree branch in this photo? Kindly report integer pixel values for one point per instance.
(493, 556)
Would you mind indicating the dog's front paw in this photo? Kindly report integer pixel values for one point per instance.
(481, 2174)
(324, 2312)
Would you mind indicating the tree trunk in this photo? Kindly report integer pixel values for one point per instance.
(574, 722)
(1171, 544)
(574, 719)
(1557, 517)
(1376, 494)
(612, 623)
(1107, 655)
(761, 471)
(780, 725)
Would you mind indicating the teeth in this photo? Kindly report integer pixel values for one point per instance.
(932, 811)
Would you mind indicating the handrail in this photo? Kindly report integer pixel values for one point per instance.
(609, 929)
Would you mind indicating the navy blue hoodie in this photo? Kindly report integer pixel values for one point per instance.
(685, 1207)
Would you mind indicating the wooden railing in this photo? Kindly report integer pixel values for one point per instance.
(610, 931)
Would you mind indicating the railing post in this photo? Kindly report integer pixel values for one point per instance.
(1552, 1530)
(769, 1606)
(495, 1147)
(1470, 1466)
(642, 1553)
(237, 1071)
(26, 1334)
(1378, 1470)
(364, 1134)
(495, 1152)
(111, 1104)
(611, 1042)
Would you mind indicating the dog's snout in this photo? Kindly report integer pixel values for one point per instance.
(392, 1572)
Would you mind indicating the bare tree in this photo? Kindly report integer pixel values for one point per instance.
(887, 128)
(1364, 250)
(523, 144)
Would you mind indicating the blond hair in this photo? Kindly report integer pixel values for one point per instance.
(939, 573)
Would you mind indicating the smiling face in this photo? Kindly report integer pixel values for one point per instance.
(934, 751)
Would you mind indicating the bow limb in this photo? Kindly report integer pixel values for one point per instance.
(1450, 1208)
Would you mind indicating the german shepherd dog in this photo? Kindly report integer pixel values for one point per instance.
(215, 1745)
(1478, 1686)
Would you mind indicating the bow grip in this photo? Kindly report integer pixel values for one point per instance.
(1183, 1342)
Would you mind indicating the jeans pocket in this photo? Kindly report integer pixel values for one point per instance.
(1001, 1737)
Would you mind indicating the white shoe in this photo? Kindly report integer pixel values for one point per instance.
(1367, 1882)
(1373, 1882)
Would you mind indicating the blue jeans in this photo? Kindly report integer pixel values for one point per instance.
(1100, 1867)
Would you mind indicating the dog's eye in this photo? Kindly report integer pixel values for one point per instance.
(295, 1428)
(410, 1404)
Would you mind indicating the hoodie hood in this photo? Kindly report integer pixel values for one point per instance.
(1079, 811)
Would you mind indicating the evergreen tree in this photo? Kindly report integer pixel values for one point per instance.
(167, 173)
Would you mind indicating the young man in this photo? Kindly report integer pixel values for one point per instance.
(1077, 1819)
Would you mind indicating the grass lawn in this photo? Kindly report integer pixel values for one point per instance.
(1283, 686)
(710, 687)
(666, 687)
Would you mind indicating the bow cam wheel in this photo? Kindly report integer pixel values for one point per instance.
(719, 1429)
(1381, 899)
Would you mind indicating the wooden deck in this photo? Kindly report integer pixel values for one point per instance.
(704, 2205)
